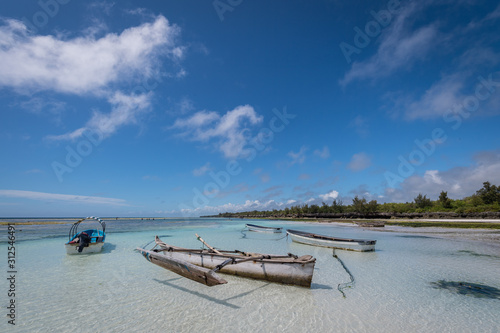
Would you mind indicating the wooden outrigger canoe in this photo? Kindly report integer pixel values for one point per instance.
(202, 265)
(258, 228)
(362, 245)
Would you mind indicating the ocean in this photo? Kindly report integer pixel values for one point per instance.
(411, 283)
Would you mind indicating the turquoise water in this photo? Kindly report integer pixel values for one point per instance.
(117, 290)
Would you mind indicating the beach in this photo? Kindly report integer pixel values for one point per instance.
(489, 235)
(406, 285)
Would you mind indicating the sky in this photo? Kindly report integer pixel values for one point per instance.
(188, 108)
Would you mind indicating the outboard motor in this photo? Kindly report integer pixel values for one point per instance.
(84, 241)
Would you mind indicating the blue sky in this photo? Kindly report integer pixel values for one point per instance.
(185, 108)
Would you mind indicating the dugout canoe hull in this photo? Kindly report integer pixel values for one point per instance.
(361, 245)
(258, 228)
(289, 269)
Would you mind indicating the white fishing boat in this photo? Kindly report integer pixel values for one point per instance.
(259, 228)
(201, 265)
(362, 245)
(88, 240)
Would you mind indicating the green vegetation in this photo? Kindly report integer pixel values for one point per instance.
(458, 225)
(487, 199)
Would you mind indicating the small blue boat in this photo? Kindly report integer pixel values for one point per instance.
(88, 240)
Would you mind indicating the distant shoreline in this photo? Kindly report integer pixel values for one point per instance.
(71, 220)
(462, 223)
(490, 224)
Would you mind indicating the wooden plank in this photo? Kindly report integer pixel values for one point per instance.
(211, 248)
(183, 268)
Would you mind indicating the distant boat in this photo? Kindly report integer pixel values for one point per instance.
(362, 245)
(258, 228)
(88, 240)
(202, 265)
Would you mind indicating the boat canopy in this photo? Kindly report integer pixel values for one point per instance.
(74, 228)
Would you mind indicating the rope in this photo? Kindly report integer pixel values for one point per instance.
(144, 246)
(349, 284)
(243, 233)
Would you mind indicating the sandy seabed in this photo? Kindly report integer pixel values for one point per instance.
(484, 235)
(491, 236)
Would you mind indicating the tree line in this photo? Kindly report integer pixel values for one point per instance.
(486, 199)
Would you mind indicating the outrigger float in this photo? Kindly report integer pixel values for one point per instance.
(202, 265)
(86, 241)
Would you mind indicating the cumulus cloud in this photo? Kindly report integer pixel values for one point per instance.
(125, 110)
(329, 196)
(359, 162)
(53, 197)
(84, 64)
(228, 131)
(459, 182)
(249, 205)
(111, 67)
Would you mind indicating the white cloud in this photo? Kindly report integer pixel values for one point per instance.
(185, 105)
(449, 95)
(202, 170)
(360, 125)
(467, 58)
(323, 153)
(459, 182)
(38, 105)
(196, 123)
(105, 67)
(41, 196)
(125, 110)
(249, 205)
(298, 157)
(102, 6)
(84, 64)
(399, 48)
(432, 176)
(329, 196)
(228, 131)
(441, 97)
(494, 14)
(359, 162)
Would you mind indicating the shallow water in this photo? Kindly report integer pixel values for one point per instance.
(118, 291)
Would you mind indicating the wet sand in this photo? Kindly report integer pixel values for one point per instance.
(484, 235)
(490, 236)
